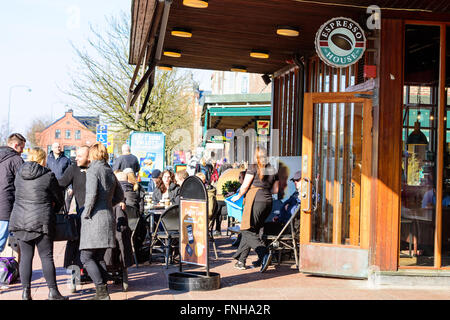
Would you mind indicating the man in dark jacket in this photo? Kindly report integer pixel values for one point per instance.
(75, 175)
(57, 161)
(127, 160)
(10, 161)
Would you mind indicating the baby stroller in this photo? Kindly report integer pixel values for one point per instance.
(120, 258)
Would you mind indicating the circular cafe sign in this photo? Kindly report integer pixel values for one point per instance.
(340, 42)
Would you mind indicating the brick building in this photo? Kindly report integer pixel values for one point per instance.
(70, 131)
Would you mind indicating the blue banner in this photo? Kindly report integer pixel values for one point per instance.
(149, 148)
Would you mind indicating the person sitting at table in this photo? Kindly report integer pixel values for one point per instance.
(166, 188)
(180, 176)
(429, 199)
(288, 208)
(212, 200)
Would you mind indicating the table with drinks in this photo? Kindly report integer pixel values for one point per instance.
(154, 210)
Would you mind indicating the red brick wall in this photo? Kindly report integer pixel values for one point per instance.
(68, 122)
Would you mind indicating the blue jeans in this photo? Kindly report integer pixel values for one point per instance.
(4, 233)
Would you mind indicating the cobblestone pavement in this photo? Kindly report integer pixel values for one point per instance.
(283, 282)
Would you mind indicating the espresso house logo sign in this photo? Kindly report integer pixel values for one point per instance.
(340, 42)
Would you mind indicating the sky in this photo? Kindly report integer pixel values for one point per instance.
(36, 54)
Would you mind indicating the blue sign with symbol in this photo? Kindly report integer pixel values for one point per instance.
(102, 137)
(102, 128)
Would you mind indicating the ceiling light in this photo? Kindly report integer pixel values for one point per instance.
(196, 3)
(180, 32)
(165, 67)
(287, 31)
(239, 69)
(172, 53)
(259, 54)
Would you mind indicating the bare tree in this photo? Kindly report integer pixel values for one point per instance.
(37, 125)
(101, 81)
(3, 132)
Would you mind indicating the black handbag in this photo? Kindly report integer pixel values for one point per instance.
(66, 227)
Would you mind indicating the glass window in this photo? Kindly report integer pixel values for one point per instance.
(420, 109)
(67, 134)
(77, 134)
(57, 134)
(446, 175)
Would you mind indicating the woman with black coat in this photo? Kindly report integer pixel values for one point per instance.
(38, 197)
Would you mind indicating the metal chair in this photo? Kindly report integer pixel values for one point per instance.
(167, 231)
(133, 216)
(284, 240)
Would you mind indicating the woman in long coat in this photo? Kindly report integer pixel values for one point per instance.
(103, 191)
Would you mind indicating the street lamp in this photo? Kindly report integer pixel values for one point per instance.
(9, 103)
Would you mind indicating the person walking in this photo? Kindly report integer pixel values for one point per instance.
(38, 198)
(127, 160)
(103, 192)
(75, 176)
(10, 162)
(261, 181)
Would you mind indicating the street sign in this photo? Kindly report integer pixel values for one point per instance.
(102, 134)
(102, 128)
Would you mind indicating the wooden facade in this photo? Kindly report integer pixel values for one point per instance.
(225, 32)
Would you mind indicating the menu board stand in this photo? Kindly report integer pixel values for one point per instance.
(194, 239)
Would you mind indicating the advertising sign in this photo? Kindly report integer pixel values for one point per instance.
(262, 127)
(229, 134)
(110, 143)
(340, 42)
(149, 148)
(193, 232)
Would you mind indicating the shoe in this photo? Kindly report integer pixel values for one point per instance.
(217, 233)
(26, 294)
(257, 263)
(84, 279)
(54, 294)
(101, 293)
(266, 260)
(240, 265)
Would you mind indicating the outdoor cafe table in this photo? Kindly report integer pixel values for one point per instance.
(154, 213)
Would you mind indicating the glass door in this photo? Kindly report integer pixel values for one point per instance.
(336, 173)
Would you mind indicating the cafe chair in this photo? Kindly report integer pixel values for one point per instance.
(286, 240)
(211, 225)
(133, 217)
(167, 232)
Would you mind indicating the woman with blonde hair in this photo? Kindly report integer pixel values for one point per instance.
(260, 182)
(103, 192)
(38, 197)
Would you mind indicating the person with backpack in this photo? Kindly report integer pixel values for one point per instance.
(38, 198)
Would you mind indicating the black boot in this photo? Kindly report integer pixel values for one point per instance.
(53, 294)
(26, 294)
(101, 293)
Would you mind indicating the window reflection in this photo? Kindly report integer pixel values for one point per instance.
(419, 134)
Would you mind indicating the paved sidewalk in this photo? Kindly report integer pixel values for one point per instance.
(149, 282)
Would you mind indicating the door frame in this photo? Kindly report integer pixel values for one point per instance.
(366, 175)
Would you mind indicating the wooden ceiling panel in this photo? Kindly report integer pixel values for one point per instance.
(226, 31)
